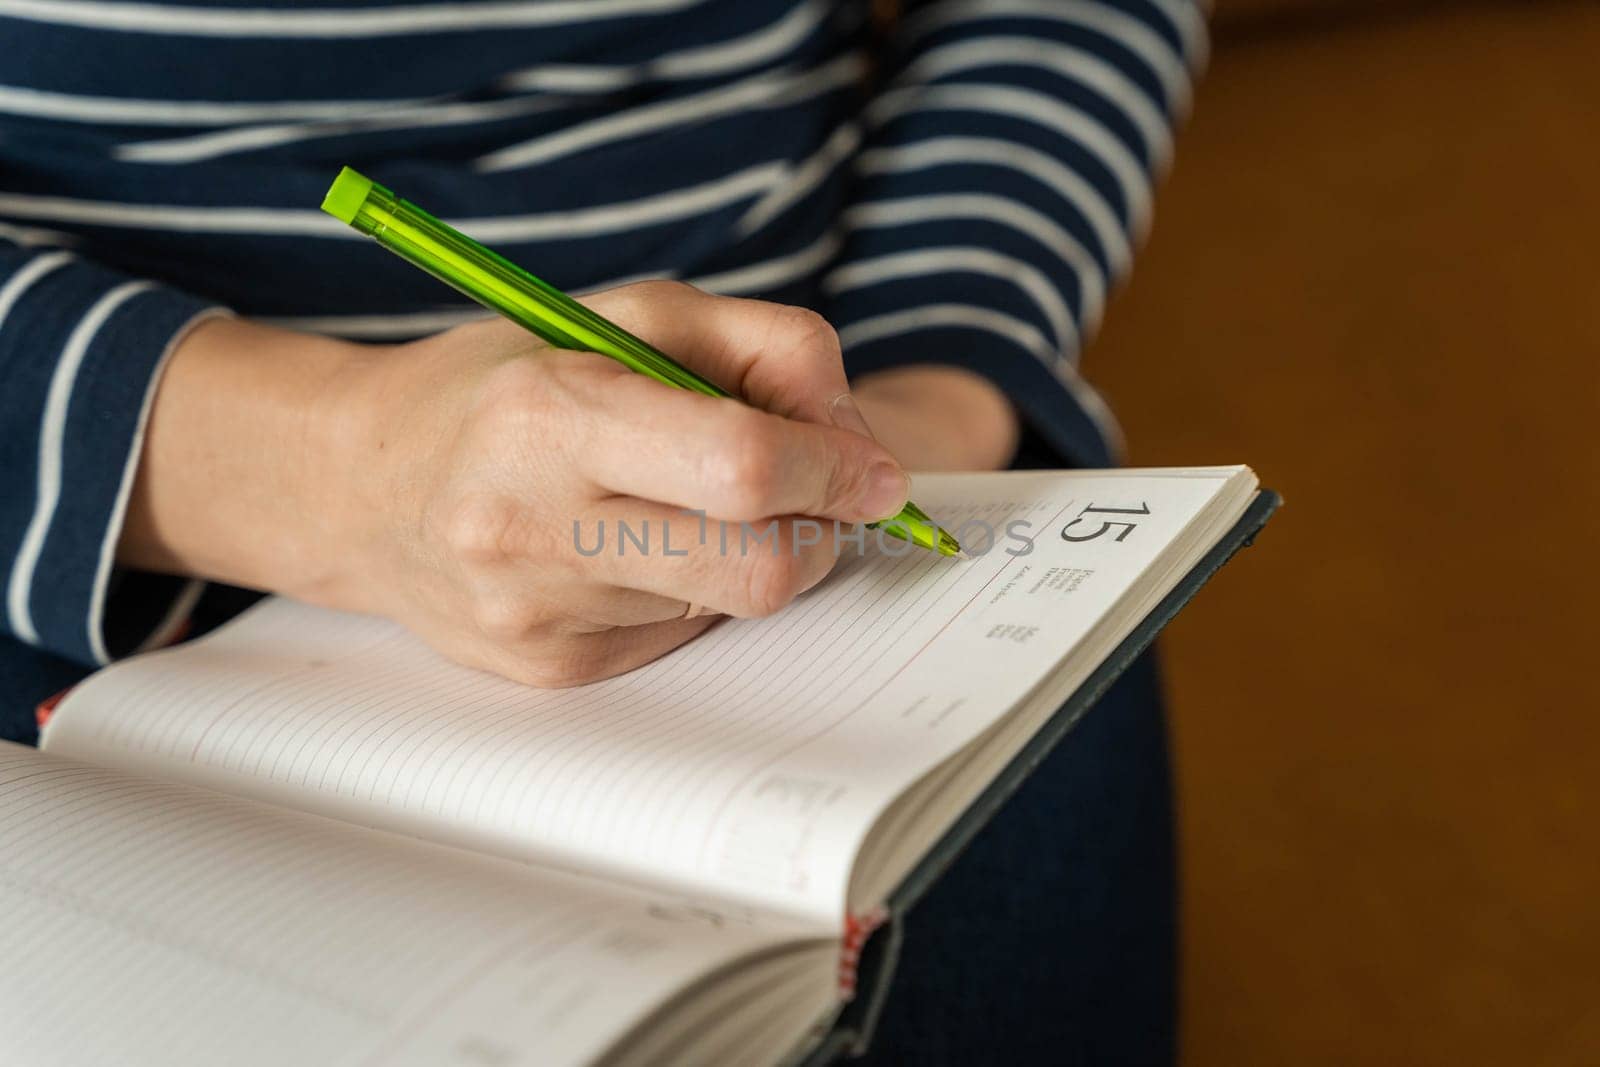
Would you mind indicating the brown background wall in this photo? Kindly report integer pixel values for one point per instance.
(1375, 276)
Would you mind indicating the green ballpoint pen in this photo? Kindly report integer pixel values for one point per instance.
(500, 285)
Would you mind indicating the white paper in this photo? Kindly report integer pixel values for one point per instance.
(748, 764)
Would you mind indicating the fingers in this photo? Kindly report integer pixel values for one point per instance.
(509, 603)
(780, 358)
(562, 660)
(732, 461)
(641, 579)
(624, 562)
(551, 437)
(742, 569)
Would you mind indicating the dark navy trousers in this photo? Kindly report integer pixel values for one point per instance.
(1052, 939)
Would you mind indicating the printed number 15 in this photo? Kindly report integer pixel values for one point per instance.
(1105, 524)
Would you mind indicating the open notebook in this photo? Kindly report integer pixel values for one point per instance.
(308, 838)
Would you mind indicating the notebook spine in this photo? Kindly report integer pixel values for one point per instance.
(47, 707)
(857, 928)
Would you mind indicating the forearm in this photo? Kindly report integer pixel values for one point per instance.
(937, 417)
(237, 477)
(440, 483)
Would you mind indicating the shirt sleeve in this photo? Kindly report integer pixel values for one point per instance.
(81, 351)
(1005, 178)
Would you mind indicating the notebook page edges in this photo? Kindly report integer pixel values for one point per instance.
(748, 764)
(916, 822)
(154, 923)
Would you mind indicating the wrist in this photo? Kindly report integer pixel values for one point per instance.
(939, 417)
(238, 476)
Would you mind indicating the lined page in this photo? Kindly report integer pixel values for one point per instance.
(151, 923)
(750, 762)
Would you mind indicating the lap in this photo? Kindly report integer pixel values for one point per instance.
(27, 677)
(1051, 939)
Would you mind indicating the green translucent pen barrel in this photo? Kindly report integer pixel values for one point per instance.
(448, 255)
(497, 283)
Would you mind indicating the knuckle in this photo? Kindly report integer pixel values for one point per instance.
(771, 581)
(482, 528)
(847, 478)
(521, 395)
(636, 300)
(811, 334)
(518, 382)
(504, 619)
(744, 470)
(663, 288)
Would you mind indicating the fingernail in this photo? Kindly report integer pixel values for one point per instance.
(845, 415)
(887, 491)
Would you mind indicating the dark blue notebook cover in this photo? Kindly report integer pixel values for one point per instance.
(854, 1026)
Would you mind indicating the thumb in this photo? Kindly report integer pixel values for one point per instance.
(778, 357)
(850, 478)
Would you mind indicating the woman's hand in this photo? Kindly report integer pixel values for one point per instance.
(459, 484)
(939, 417)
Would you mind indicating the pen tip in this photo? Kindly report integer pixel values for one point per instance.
(949, 546)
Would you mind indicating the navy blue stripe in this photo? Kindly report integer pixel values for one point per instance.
(305, 266)
(994, 180)
(969, 232)
(115, 63)
(1064, 89)
(1154, 18)
(101, 422)
(1107, 48)
(925, 124)
(952, 286)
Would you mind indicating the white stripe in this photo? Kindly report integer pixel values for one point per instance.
(1025, 335)
(38, 103)
(1068, 184)
(804, 178)
(418, 323)
(1190, 21)
(330, 22)
(169, 217)
(33, 237)
(757, 277)
(629, 214)
(178, 613)
(771, 273)
(1072, 63)
(212, 145)
(52, 434)
(601, 218)
(21, 281)
(1025, 220)
(1041, 110)
(762, 90)
(721, 58)
(702, 61)
(119, 507)
(964, 259)
(574, 78)
(1127, 30)
(627, 279)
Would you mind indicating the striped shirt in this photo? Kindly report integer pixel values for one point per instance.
(962, 186)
